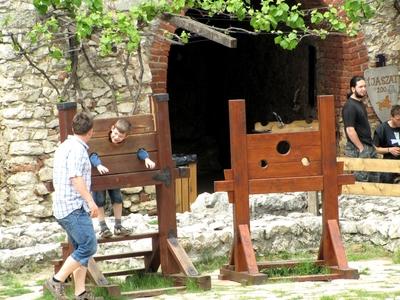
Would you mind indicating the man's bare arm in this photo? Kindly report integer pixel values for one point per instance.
(353, 136)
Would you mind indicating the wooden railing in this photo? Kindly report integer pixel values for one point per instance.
(363, 188)
(371, 165)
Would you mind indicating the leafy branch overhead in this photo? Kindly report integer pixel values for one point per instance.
(76, 23)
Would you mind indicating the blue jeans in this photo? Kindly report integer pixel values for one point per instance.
(80, 231)
(100, 197)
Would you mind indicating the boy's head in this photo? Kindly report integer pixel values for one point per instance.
(119, 131)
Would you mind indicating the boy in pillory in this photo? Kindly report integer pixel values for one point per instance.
(118, 134)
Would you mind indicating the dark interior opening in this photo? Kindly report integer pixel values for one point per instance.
(204, 75)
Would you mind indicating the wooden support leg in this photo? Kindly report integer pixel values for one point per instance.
(247, 247)
(337, 247)
(181, 258)
(100, 280)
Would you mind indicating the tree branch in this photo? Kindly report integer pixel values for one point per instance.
(31, 63)
(114, 102)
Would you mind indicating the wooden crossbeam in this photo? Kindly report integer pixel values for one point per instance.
(370, 164)
(201, 29)
(372, 189)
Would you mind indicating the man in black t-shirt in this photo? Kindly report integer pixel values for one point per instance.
(387, 141)
(358, 131)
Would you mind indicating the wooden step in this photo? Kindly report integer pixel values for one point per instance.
(59, 262)
(123, 272)
(122, 255)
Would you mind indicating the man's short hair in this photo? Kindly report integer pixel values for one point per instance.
(123, 125)
(82, 123)
(395, 111)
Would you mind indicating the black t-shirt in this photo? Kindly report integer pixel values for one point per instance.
(386, 136)
(355, 115)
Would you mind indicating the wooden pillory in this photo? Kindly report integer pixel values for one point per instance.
(284, 162)
(151, 132)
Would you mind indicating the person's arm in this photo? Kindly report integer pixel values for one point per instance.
(79, 185)
(144, 155)
(96, 162)
(353, 136)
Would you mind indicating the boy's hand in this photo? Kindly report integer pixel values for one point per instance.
(102, 169)
(149, 163)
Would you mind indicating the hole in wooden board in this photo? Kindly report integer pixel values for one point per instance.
(263, 163)
(283, 147)
(305, 161)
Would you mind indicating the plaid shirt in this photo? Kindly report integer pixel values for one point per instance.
(71, 159)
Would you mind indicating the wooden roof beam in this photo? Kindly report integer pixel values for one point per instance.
(201, 29)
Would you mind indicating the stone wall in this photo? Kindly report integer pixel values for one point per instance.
(29, 122)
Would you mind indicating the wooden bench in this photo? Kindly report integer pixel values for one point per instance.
(152, 132)
(284, 162)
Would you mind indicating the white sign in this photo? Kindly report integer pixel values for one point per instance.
(383, 89)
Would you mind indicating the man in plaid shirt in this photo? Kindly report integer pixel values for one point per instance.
(73, 206)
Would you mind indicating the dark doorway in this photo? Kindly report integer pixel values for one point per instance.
(203, 76)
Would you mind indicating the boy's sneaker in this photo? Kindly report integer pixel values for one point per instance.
(56, 289)
(121, 231)
(87, 296)
(105, 233)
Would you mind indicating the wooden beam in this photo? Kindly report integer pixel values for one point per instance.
(372, 189)
(370, 164)
(201, 29)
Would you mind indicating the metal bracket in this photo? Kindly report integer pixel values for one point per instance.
(164, 176)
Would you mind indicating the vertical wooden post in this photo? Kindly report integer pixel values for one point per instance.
(166, 206)
(331, 249)
(66, 112)
(241, 211)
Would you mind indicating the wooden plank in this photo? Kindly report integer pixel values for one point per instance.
(370, 164)
(140, 124)
(128, 237)
(201, 29)
(178, 195)
(284, 169)
(103, 146)
(95, 273)
(372, 189)
(104, 182)
(122, 255)
(260, 140)
(290, 184)
(185, 195)
(181, 257)
(125, 163)
(245, 240)
(192, 183)
(296, 153)
(242, 277)
(286, 263)
(278, 185)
